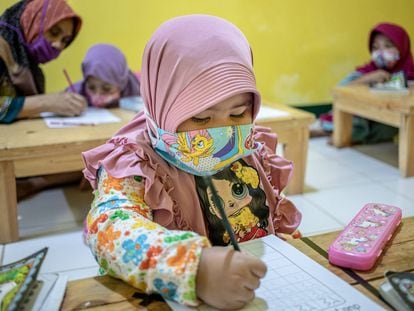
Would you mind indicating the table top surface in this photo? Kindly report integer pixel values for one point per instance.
(31, 133)
(383, 99)
(104, 291)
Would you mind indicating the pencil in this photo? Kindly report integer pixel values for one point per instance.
(72, 88)
(220, 207)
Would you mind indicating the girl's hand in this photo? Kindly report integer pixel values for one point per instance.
(65, 104)
(227, 279)
(377, 76)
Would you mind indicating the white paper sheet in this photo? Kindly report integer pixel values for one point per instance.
(91, 116)
(266, 112)
(296, 282)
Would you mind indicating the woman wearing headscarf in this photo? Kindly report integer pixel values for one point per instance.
(34, 32)
(106, 77)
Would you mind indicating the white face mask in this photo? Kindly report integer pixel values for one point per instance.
(385, 59)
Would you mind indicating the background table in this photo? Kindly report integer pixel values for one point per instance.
(393, 109)
(30, 148)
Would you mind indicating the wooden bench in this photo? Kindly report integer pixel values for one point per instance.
(393, 109)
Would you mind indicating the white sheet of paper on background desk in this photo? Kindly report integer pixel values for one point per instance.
(91, 116)
(296, 282)
(267, 112)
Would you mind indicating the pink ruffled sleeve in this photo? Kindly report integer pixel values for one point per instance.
(278, 170)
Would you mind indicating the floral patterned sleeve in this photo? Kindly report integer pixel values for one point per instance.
(128, 245)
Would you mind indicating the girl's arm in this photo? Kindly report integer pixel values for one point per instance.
(367, 78)
(65, 104)
(128, 245)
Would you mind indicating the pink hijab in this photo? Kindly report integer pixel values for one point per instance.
(401, 40)
(190, 64)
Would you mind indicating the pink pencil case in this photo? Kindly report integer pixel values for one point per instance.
(361, 242)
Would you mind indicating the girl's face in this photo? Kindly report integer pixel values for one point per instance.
(382, 43)
(61, 34)
(236, 110)
(97, 86)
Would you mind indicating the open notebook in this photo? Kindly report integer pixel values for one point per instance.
(296, 282)
(91, 116)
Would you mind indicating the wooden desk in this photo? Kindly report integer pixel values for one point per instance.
(392, 109)
(293, 133)
(30, 148)
(106, 293)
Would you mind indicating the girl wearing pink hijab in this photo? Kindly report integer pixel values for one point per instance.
(153, 223)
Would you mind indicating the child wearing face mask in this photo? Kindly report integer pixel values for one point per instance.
(389, 46)
(153, 223)
(107, 77)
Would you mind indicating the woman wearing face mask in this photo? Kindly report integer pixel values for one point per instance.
(34, 32)
(389, 46)
(107, 77)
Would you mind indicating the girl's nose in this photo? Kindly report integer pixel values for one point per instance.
(57, 44)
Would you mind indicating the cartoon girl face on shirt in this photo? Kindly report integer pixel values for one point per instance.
(233, 195)
(244, 202)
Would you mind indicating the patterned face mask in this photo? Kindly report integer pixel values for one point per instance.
(205, 152)
(385, 59)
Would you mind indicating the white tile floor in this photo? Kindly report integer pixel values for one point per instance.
(338, 182)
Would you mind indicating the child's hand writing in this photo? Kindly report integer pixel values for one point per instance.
(227, 279)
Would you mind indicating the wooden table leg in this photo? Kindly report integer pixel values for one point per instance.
(297, 150)
(406, 146)
(9, 230)
(342, 132)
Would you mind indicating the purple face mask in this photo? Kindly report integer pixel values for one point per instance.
(42, 51)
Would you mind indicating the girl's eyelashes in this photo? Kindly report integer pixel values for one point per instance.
(200, 120)
(239, 116)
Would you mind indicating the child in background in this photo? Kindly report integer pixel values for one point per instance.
(152, 221)
(107, 77)
(389, 45)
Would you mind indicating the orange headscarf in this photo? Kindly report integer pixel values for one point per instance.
(56, 11)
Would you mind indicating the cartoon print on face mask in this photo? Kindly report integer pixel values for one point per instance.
(204, 152)
(243, 200)
(194, 146)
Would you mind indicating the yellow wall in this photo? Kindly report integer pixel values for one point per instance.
(301, 47)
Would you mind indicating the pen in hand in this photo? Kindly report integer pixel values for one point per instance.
(217, 202)
(71, 87)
